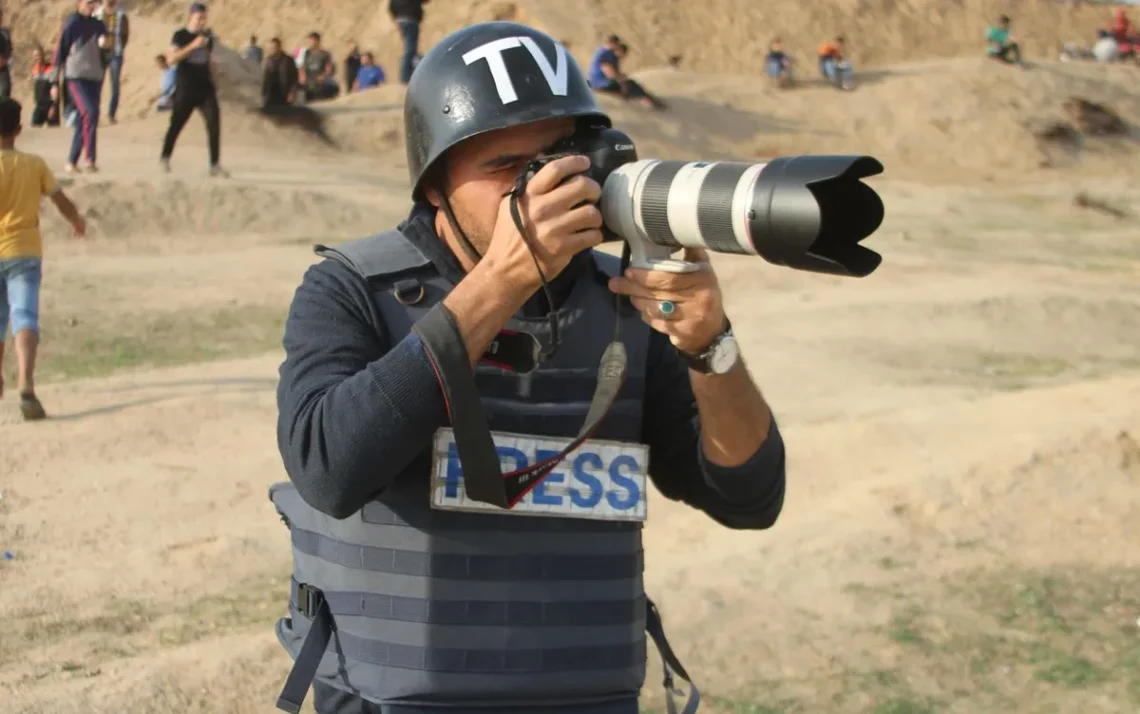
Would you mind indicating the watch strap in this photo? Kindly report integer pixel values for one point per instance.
(701, 362)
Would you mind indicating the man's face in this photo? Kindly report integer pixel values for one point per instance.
(314, 43)
(366, 59)
(275, 47)
(481, 169)
(86, 7)
(110, 4)
(197, 21)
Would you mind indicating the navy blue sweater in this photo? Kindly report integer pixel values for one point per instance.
(352, 397)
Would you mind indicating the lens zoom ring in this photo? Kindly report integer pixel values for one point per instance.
(655, 203)
(714, 206)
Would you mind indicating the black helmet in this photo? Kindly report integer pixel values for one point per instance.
(485, 77)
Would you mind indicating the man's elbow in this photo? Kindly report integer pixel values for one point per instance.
(315, 481)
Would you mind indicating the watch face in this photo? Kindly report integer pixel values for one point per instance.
(724, 355)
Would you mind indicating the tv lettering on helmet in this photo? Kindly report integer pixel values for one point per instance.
(557, 77)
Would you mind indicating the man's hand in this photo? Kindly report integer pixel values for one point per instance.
(79, 226)
(560, 213)
(199, 42)
(697, 317)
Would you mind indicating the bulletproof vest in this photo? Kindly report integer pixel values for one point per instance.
(442, 607)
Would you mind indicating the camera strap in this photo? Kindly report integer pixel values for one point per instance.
(483, 479)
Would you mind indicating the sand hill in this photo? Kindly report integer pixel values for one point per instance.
(961, 526)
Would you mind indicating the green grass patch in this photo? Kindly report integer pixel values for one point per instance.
(105, 346)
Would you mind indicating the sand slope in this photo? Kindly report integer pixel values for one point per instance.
(961, 520)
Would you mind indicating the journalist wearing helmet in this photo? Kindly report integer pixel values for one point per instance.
(410, 596)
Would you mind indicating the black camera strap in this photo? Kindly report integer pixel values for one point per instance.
(483, 479)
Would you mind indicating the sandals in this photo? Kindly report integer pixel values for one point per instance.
(31, 408)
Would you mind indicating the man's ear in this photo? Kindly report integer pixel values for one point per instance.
(431, 193)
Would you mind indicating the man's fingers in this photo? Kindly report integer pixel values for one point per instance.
(696, 255)
(625, 286)
(549, 176)
(663, 280)
(573, 191)
(581, 218)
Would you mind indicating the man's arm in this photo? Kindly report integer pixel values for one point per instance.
(354, 408)
(63, 47)
(713, 443)
(125, 32)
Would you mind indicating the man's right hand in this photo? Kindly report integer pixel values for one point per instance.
(79, 227)
(560, 213)
(199, 42)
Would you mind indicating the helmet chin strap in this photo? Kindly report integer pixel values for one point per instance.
(460, 235)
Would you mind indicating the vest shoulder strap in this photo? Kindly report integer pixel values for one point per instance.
(386, 253)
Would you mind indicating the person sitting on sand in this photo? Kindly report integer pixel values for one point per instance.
(45, 112)
(26, 179)
(278, 77)
(1124, 33)
(1001, 44)
(833, 64)
(369, 75)
(318, 73)
(166, 81)
(778, 65)
(605, 74)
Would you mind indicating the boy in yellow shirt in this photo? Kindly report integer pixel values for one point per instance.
(24, 178)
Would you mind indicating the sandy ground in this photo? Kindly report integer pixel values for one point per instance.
(961, 528)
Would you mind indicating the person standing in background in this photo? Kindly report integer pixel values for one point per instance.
(45, 111)
(118, 26)
(279, 77)
(408, 14)
(5, 58)
(252, 51)
(166, 83)
(351, 65)
(80, 57)
(191, 52)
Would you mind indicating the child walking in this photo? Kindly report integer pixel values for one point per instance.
(24, 178)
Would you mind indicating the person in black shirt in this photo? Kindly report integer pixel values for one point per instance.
(278, 78)
(351, 66)
(408, 14)
(5, 58)
(191, 51)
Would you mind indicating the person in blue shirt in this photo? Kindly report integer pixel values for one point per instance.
(80, 57)
(369, 75)
(165, 84)
(605, 75)
(1001, 44)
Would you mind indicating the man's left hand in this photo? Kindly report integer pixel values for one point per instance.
(697, 317)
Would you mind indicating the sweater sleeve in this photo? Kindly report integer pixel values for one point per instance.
(354, 407)
(749, 496)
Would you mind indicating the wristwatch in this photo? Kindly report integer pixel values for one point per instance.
(721, 356)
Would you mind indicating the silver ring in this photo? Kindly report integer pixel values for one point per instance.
(667, 309)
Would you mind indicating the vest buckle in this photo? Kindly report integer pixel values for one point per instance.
(309, 600)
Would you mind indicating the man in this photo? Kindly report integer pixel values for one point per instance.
(5, 58)
(167, 81)
(318, 73)
(408, 16)
(80, 55)
(605, 74)
(369, 75)
(416, 606)
(118, 26)
(833, 64)
(24, 178)
(278, 78)
(45, 79)
(192, 53)
(252, 52)
(352, 62)
(778, 65)
(1001, 44)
